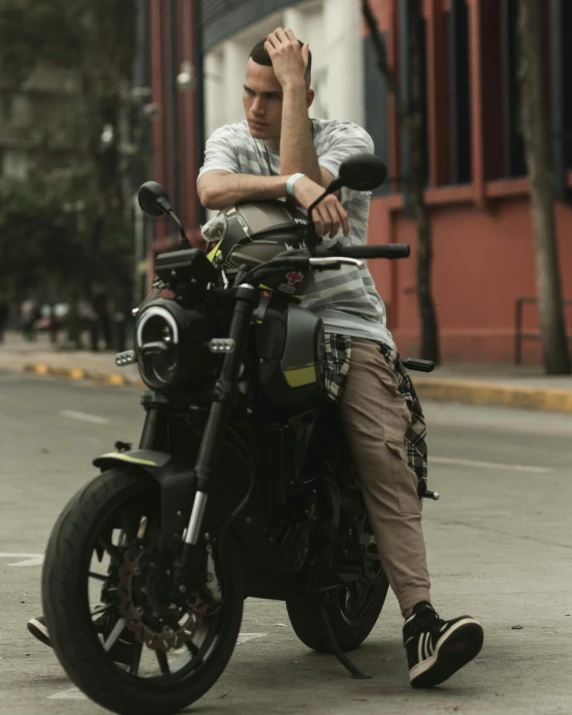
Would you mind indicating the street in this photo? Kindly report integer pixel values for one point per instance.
(498, 543)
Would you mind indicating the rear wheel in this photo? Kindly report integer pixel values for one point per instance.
(156, 652)
(352, 609)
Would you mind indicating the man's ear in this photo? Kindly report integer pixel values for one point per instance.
(310, 94)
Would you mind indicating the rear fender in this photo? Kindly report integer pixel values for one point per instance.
(176, 480)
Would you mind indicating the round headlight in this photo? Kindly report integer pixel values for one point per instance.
(167, 341)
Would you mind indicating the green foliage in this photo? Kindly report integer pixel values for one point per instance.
(96, 38)
(47, 235)
(93, 40)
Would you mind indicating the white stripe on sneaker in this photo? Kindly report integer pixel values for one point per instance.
(427, 663)
(420, 648)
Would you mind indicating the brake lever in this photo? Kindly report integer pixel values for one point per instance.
(333, 262)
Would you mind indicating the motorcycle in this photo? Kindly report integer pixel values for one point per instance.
(242, 483)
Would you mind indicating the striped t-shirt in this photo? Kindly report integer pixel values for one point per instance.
(345, 299)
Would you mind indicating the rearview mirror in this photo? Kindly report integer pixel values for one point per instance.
(362, 172)
(153, 199)
(154, 202)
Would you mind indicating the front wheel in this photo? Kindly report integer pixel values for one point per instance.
(352, 609)
(122, 635)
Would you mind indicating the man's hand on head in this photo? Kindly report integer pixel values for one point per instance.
(289, 60)
(328, 215)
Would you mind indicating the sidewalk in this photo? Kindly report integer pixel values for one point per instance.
(42, 358)
(469, 383)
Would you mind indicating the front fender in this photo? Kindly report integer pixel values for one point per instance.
(176, 480)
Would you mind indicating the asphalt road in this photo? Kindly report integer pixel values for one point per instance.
(498, 541)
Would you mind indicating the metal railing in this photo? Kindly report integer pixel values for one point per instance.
(519, 334)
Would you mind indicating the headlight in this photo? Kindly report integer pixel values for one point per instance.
(169, 342)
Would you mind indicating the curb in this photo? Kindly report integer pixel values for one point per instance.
(77, 373)
(487, 393)
(440, 390)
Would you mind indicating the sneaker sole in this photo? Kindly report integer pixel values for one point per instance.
(456, 648)
(39, 631)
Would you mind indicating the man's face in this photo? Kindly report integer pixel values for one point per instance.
(262, 100)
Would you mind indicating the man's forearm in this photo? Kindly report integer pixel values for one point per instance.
(219, 192)
(297, 151)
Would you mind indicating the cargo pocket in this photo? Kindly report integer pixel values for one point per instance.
(405, 480)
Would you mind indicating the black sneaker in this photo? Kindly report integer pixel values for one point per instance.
(39, 629)
(435, 648)
(120, 652)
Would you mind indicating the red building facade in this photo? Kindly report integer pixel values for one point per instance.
(477, 191)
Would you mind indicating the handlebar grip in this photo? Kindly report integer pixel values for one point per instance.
(390, 251)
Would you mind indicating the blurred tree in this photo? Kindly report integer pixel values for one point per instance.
(48, 235)
(410, 117)
(92, 44)
(535, 124)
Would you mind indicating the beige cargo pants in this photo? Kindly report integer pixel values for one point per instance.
(375, 418)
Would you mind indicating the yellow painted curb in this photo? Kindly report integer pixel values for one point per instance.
(76, 373)
(486, 393)
(444, 390)
(37, 368)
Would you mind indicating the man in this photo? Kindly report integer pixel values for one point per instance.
(277, 152)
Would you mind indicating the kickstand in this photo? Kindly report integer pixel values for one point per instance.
(344, 660)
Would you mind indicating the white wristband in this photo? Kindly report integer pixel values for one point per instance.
(291, 181)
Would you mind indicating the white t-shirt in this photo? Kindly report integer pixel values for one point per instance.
(345, 299)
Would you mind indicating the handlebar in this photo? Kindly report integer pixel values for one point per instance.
(326, 259)
(389, 251)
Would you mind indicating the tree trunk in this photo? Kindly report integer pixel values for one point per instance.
(410, 118)
(429, 347)
(552, 325)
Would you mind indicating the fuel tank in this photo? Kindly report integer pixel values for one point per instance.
(289, 344)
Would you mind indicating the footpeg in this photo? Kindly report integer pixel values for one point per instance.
(431, 495)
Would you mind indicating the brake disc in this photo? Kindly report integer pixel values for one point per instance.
(160, 625)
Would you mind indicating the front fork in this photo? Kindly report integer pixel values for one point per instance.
(247, 298)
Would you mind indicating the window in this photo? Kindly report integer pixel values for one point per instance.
(460, 92)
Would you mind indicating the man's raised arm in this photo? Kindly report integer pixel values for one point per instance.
(297, 151)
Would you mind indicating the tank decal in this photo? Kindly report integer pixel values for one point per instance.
(298, 376)
(215, 251)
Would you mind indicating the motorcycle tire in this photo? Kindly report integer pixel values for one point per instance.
(350, 629)
(66, 606)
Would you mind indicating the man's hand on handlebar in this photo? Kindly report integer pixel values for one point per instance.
(328, 215)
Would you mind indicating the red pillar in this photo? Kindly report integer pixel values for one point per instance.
(475, 43)
(155, 31)
(187, 114)
(438, 116)
(391, 23)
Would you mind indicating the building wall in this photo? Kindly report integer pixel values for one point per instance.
(483, 261)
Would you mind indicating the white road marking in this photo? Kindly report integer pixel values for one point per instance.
(23, 559)
(489, 465)
(84, 417)
(76, 694)
(69, 694)
(245, 637)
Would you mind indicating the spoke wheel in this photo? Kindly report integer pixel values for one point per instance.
(107, 577)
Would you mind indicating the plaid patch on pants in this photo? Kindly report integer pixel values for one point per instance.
(337, 365)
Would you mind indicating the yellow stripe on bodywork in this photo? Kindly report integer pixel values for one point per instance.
(212, 253)
(298, 376)
(122, 457)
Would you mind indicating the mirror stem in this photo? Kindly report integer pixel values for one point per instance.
(184, 240)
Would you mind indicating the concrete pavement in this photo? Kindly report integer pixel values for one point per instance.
(498, 543)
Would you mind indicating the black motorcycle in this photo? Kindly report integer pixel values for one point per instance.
(242, 484)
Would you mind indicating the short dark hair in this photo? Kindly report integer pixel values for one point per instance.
(259, 55)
